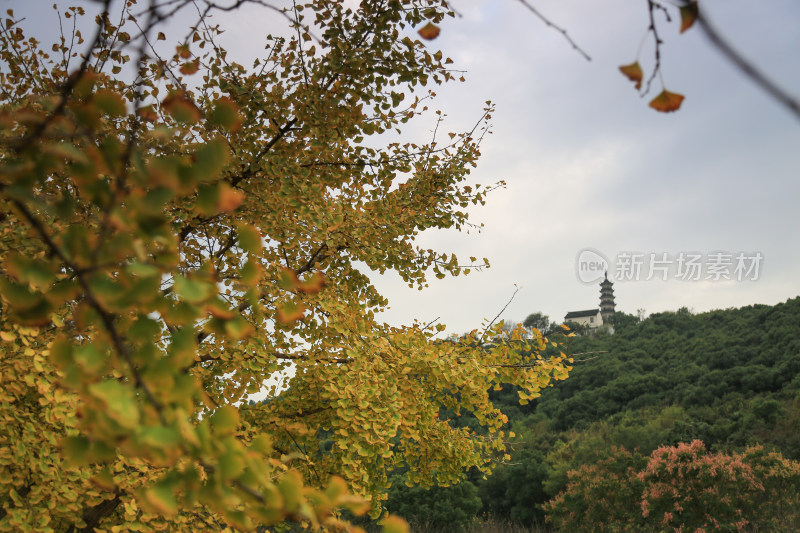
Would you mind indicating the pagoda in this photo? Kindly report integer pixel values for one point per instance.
(606, 299)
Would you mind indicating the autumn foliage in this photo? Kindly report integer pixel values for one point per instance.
(681, 488)
(178, 230)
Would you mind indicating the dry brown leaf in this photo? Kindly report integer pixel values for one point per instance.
(667, 102)
(689, 15)
(429, 31)
(634, 73)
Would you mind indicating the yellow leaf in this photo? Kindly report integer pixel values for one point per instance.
(394, 524)
(667, 102)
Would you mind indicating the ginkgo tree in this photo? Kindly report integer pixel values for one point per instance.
(176, 229)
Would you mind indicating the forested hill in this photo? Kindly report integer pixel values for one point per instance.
(678, 358)
(729, 378)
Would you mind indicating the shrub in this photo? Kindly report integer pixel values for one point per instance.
(681, 488)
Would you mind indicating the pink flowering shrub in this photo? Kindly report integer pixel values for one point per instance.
(601, 497)
(687, 487)
(682, 488)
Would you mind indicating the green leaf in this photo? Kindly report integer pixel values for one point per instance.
(238, 328)
(110, 102)
(225, 419)
(225, 114)
(183, 347)
(27, 308)
(119, 400)
(249, 238)
(61, 352)
(76, 449)
(209, 160)
(193, 292)
(291, 488)
(90, 358)
(162, 498)
(160, 436)
(231, 466)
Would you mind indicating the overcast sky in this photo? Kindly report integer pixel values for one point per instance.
(589, 165)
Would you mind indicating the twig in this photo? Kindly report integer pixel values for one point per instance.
(746, 67)
(559, 29)
(480, 341)
(651, 7)
(432, 322)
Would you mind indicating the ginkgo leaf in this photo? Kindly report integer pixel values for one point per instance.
(667, 102)
(226, 115)
(313, 284)
(229, 198)
(76, 449)
(249, 238)
(689, 14)
(290, 312)
(162, 498)
(225, 420)
(238, 328)
(181, 108)
(183, 51)
(110, 102)
(290, 487)
(119, 402)
(193, 291)
(429, 31)
(634, 73)
(190, 67)
(210, 159)
(394, 524)
(104, 480)
(287, 279)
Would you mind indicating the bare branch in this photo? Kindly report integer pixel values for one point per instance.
(746, 67)
(559, 29)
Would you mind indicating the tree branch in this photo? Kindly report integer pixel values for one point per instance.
(746, 67)
(560, 30)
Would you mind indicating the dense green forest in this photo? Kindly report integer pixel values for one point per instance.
(712, 399)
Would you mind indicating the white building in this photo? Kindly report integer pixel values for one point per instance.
(594, 318)
(591, 318)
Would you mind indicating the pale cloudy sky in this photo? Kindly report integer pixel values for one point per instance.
(589, 165)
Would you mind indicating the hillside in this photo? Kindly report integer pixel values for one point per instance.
(729, 378)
